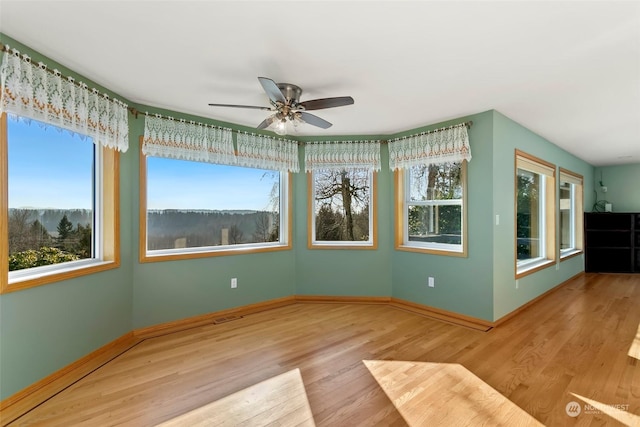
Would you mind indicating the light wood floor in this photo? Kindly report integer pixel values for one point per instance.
(346, 365)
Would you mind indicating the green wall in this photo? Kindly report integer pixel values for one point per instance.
(622, 186)
(171, 290)
(44, 329)
(462, 285)
(359, 272)
(509, 136)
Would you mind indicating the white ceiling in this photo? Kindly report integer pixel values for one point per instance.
(569, 71)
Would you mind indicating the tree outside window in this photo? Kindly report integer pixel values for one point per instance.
(529, 215)
(342, 206)
(51, 195)
(434, 206)
(535, 214)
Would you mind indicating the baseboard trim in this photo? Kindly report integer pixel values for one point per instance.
(328, 299)
(442, 315)
(28, 398)
(25, 400)
(535, 300)
(207, 319)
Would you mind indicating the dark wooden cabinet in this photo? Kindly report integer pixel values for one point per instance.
(612, 242)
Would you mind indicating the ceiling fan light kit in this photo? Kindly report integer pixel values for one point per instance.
(287, 108)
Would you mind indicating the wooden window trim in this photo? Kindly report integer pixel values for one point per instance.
(110, 222)
(550, 212)
(578, 215)
(399, 178)
(142, 224)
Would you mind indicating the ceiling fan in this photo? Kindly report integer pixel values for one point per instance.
(286, 106)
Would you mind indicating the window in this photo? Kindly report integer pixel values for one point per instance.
(61, 204)
(430, 208)
(341, 209)
(194, 209)
(571, 213)
(535, 214)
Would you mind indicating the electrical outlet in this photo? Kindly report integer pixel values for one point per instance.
(517, 283)
(234, 283)
(431, 282)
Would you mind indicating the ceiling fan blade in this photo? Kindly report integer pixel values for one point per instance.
(267, 122)
(314, 120)
(317, 104)
(240, 106)
(272, 89)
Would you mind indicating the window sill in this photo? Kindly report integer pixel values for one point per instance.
(165, 255)
(570, 254)
(43, 277)
(343, 245)
(533, 267)
(432, 251)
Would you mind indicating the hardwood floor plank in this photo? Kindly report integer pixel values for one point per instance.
(575, 341)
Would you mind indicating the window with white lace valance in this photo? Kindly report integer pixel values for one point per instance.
(446, 145)
(265, 152)
(33, 91)
(179, 139)
(342, 155)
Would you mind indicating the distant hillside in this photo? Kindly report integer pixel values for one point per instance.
(51, 217)
(205, 227)
(164, 226)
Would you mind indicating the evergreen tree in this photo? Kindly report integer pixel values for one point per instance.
(329, 224)
(82, 237)
(65, 228)
(39, 235)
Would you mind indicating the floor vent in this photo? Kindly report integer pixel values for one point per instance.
(220, 320)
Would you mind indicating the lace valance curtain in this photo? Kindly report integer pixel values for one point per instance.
(35, 92)
(450, 144)
(265, 152)
(179, 139)
(339, 155)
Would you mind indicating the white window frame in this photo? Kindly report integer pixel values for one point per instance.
(284, 242)
(547, 205)
(576, 212)
(403, 202)
(370, 243)
(542, 224)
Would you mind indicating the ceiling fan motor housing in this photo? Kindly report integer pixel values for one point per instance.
(290, 92)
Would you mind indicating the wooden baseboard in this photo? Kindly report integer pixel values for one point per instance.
(207, 319)
(22, 402)
(328, 299)
(535, 300)
(443, 315)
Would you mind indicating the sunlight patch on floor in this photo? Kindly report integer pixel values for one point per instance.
(444, 394)
(634, 350)
(617, 411)
(281, 400)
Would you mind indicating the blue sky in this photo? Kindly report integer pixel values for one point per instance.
(52, 169)
(48, 168)
(180, 184)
